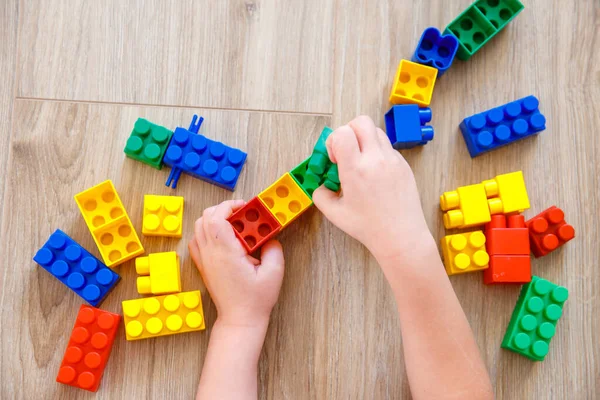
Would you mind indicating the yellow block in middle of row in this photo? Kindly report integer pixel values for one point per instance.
(285, 199)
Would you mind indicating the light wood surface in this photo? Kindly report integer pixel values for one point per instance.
(267, 75)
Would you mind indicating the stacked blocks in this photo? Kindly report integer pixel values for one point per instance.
(163, 315)
(254, 225)
(163, 216)
(480, 22)
(202, 158)
(75, 267)
(160, 273)
(148, 143)
(436, 50)
(548, 231)
(508, 246)
(406, 126)
(465, 252)
(507, 193)
(89, 348)
(534, 319)
(285, 199)
(109, 224)
(413, 84)
(502, 125)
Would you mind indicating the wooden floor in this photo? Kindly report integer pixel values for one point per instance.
(267, 76)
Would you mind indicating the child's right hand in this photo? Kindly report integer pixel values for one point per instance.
(379, 203)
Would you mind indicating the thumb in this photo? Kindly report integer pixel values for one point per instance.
(271, 259)
(327, 202)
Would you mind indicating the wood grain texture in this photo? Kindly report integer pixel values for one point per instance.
(334, 333)
(268, 55)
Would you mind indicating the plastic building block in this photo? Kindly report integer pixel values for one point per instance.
(254, 225)
(436, 50)
(480, 22)
(548, 231)
(307, 180)
(202, 158)
(285, 199)
(161, 273)
(502, 125)
(148, 143)
(413, 84)
(109, 224)
(89, 348)
(534, 319)
(507, 243)
(163, 315)
(74, 266)
(507, 193)
(467, 206)
(332, 178)
(319, 160)
(163, 216)
(406, 127)
(465, 252)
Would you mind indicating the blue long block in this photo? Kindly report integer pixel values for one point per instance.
(406, 127)
(436, 50)
(202, 158)
(502, 125)
(74, 266)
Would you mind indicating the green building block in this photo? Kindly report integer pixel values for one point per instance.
(332, 179)
(319, 160)
(307, 180)
(148, 143)
(480, 22)
(533, 322)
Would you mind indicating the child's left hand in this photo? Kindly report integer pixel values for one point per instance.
(243, 288)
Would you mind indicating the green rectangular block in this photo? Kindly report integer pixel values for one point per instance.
(533, 322)
(480, 22)
(148, 143)
(307, 180)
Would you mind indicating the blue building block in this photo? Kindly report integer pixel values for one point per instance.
(436, 50)
(502, 125)
(74, 266)
(405, 126)
(203, 158)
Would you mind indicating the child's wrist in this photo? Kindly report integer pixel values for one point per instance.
(414, 253)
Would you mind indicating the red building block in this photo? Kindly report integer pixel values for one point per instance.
(254, 225)
(548, 231)
(507, 243)
(89, 348)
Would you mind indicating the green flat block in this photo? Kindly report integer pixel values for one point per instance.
(533, 322)
(480, 22)
(148, 143)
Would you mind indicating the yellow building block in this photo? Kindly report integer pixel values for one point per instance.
(413, 84)
(507, 193)
(163, 315)
(163, 216)
(285, 199)
(109, 224)
(467, 206)
(161, 273)
(465, 252)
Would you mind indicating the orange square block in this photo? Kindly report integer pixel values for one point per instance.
(163, 216)
(413, 84)
(465, 252)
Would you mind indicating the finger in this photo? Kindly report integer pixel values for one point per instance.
(226, 208)
(216, 226)
(328, 203)
(342, 146)
(195, 254)
(366, 132)
(271, 258)
(199, 231)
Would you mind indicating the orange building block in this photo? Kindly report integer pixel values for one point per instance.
(507, 235)
(89, 348)
(548, 231)
(413, 84)
(465, 252)
(163, 216)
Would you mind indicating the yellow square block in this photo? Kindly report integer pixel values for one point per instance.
(163, 216)
(507, 193)
(109, 223)
(467, 206)
(465, 252)
(285, 199)
(413, 84)
(163, 315)
(160, 273)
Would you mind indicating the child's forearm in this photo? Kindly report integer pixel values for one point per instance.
(442, 358)
(231, 366)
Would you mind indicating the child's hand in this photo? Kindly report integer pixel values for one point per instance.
(243, 288)
(379, 204)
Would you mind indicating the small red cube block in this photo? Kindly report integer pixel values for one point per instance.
(89, 347)
(507, 235)
(254, 225)
(548, 231)
(508, 269)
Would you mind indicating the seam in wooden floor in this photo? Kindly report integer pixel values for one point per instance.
(173, 106)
